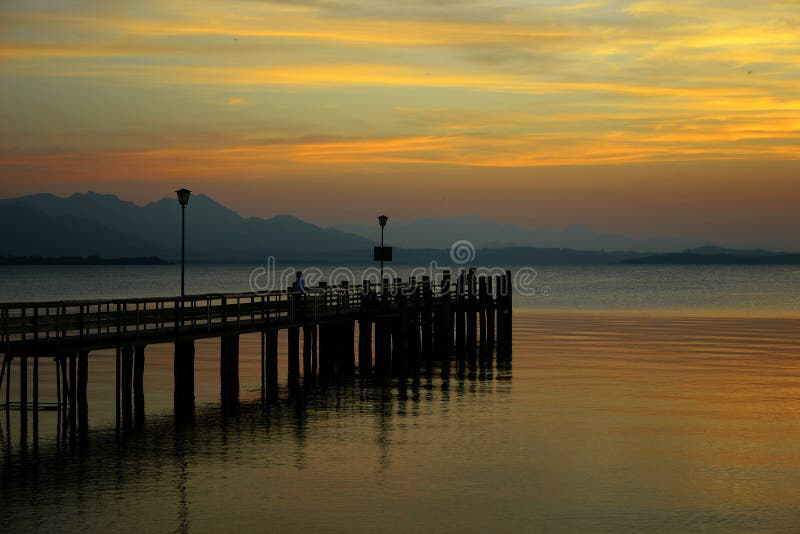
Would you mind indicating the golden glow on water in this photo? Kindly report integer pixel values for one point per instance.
(607, 421)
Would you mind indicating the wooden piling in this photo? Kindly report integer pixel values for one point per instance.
(82, 401)
(35, 378)
(73, 394)
(229, 371)
(509, 305)
(23, 392)
(490, 311)
(426, 319)
(183, 373)
(328, 351)
(483, 298)
(271, 337)
(400, 341)
(64, 382)
(293, 346)
(118, 367)
(58, 384)
(460, 313)
(364, 347)
(263, 336)
(346, 365)
(446, 325)
(127, 385)
(308, 342)
(383, 359)
(314, 350)
(138, 386)
(7, 374)
(472, 309)
(504, 317)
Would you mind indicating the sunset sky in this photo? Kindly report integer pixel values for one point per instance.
(646, 118)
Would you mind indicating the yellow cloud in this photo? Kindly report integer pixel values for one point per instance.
(573, 83)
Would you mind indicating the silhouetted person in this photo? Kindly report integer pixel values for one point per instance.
(299, 289)
(299, 283)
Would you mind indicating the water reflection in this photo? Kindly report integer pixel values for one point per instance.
(174, 463)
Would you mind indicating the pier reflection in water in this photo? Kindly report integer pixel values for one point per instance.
(266, 460)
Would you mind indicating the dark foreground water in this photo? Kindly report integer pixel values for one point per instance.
(607, 420)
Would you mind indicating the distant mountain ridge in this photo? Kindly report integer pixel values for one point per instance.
(441, 232)
(104, 226)
(86, 224)
(716, 256)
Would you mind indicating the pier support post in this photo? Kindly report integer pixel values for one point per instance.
(183, 371)
(383, 359)
(117, 368)
(427, 319)
(490, 309)
(23, 394)
(446, 325)
(412, 301)
(400, 342)
(73, 393)
(472, 308)
(83, 403)
(504, 318)
(35, 399)
(347, 355)
(364, 347)
(263, 337)
(127, 383)
(62, 360)
(314, 350)
(271, 370)
(509, 316)
(229, 371)
(293, 346)
(308, 342)
(7, 360)
(461, 290)
(483, 298)
(138, 386)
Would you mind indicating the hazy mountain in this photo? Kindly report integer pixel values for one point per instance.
(85, 224)
(103, 225)
(737, 257)
(440, 233)
(30, 231)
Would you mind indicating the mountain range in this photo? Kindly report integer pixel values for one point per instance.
(440, 233)
(104, 226)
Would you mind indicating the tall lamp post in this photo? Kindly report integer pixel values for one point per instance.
(382, 219)
(183, 199)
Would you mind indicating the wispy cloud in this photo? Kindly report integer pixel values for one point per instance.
(493, 83)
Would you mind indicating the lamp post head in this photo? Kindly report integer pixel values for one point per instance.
(183, 196)
(382, 220)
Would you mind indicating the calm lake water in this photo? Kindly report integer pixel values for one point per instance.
(639, 399)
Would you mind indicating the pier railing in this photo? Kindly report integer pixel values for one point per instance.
(104, 323)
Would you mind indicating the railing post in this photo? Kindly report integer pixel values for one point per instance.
(224, 313)
(178, 318)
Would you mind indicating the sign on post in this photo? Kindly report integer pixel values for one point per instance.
(382, 254)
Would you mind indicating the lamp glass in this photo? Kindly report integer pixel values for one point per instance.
(183, 196)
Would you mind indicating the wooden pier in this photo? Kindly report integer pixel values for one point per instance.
(401, 325)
